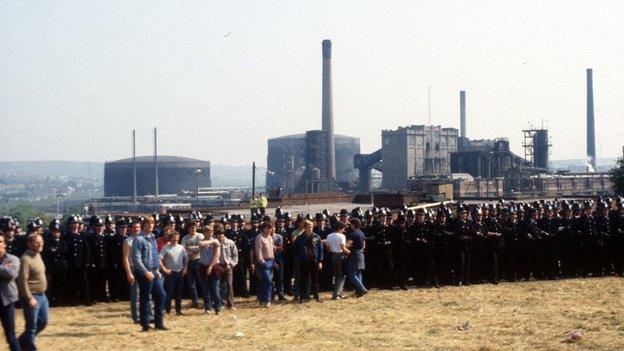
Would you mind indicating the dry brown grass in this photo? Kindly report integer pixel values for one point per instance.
(521, 316)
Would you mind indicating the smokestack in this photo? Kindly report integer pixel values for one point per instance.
(328, 109)
(155, 162)
(591, 132)
(462, 114)
(134, 179)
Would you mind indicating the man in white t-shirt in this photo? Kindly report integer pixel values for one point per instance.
(337, 244)
(175, 261)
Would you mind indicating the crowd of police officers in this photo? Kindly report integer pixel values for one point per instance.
(445, 245)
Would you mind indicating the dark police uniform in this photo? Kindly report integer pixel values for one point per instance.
(550, 244)
(98, 266)
(494, 245)
(54, 256)
(382, 255)
(513, 247)
(240, 239)
(115, 272)
(462, 241)
(401, 249)
(78, 260)
(423, 263)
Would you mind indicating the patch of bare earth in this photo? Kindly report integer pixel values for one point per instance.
(519, 316)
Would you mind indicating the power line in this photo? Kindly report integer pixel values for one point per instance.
(30, 134)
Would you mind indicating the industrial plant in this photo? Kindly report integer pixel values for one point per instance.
(419, 158)
(428, 162)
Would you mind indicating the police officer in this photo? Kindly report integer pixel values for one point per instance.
(250, 235)
(565, 234)
(479, 259)
(322, 230)
(78, 260)
(549, 226)
(401, 247)
(462, 241)
(494, 245)
(617, 239)
(442, 235)
(382, 255)
(586, 229)
(97, 247)
(513, 244)
(237, 234)
(54, 256)
(423, 243)
(531, 236)
(289, 254)
(115, 273)
(15, 243)
(603, 236)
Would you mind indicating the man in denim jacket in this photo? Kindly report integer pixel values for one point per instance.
(147, 265)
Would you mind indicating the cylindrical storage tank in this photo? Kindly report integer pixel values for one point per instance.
(540, 148)
(285, 162)
(175, 175)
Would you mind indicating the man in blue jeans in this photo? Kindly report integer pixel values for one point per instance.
(32, 285)
(209, 255)
(147, 265)
(356, 244)
(9, 268)
(190, 243)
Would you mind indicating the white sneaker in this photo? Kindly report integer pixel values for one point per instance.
(267, 305)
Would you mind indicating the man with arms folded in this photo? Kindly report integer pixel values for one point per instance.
(9, 267)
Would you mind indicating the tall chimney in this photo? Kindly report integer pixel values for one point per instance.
(134, 177)
(155, 162)
(328, 109)
(462, 114)
(591, 131)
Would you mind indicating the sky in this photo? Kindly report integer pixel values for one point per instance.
(218, 78)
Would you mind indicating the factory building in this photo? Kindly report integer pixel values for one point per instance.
(289, 155)
(413, 151)
(175, 175)
(485, 158)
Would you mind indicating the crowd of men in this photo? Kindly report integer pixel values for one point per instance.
(93, 260)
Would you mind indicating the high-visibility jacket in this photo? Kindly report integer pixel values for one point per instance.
(263, 202)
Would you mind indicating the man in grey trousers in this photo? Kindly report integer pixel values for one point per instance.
(9, 269)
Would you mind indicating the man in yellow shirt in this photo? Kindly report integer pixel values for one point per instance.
(262, 204)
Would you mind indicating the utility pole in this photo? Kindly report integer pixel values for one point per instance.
(134, 169)
(58, 206)
(253, 179)
(155, 163)
(197, 173)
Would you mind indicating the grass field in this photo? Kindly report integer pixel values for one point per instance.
(519, 316)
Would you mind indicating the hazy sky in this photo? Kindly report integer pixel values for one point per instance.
(220, 77)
